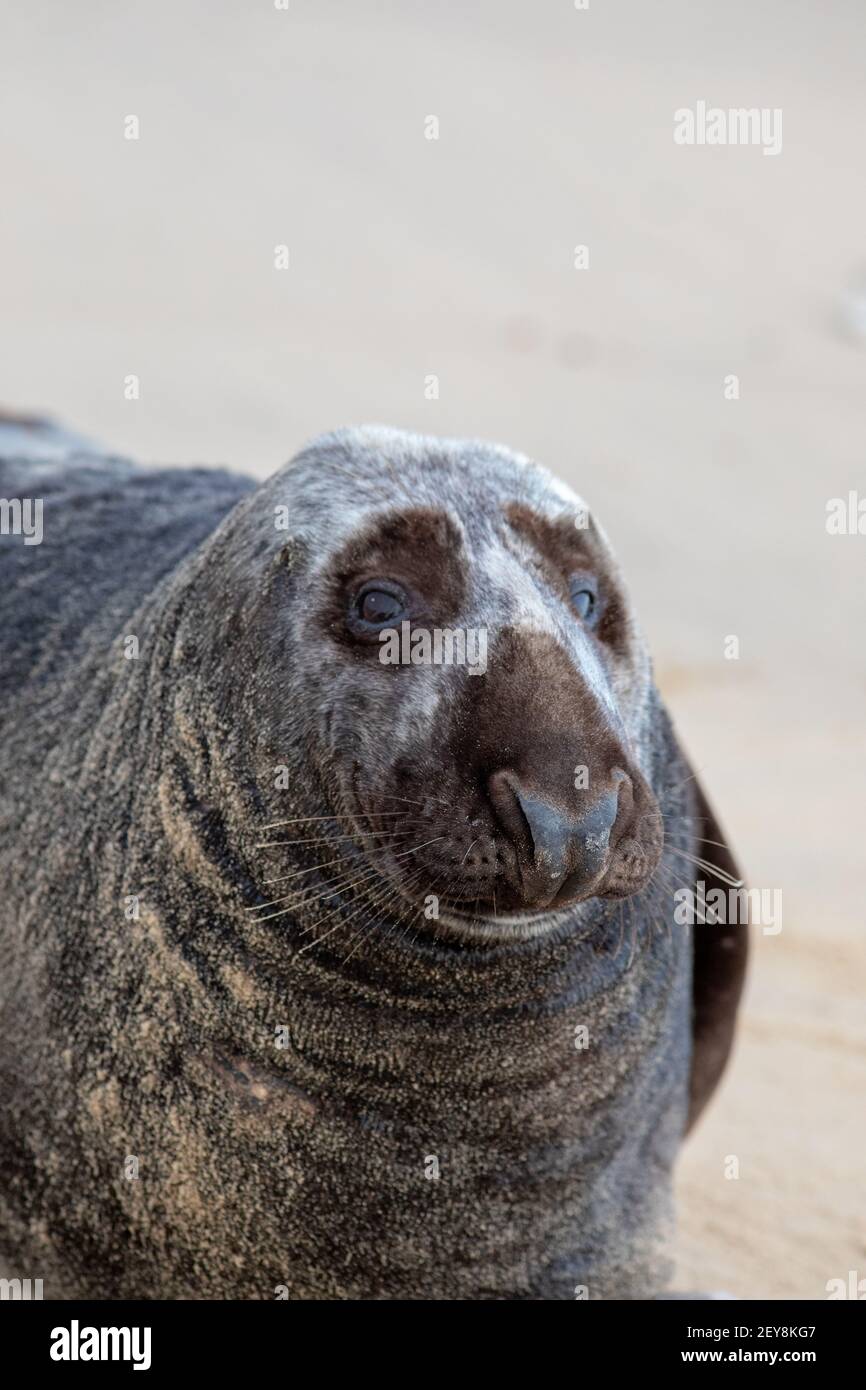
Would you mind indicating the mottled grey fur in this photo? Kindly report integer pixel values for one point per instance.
(142, 1003)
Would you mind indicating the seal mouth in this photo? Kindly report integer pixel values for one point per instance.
(465, 873)
(478, 925)
(523, 926)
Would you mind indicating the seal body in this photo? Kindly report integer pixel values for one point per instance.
(320, 978)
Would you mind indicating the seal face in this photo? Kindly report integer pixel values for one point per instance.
(510, 792)
(341, 823)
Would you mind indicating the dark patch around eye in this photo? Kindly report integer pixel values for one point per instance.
(420, 546)
(565, 551)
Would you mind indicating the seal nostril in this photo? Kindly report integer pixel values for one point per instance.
(502, 790)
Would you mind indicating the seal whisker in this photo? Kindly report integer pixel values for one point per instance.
(374, 902)
(363, 933)
(434, 883)
(301, 902)
(709, 868)
(662, 884)
(363, 815)
(298, 894)
(417, 847)
(718, 844)
(299, 873)
(347, 859)
(368, 879)
(406, 915)
(295, 900)
(389, 796)
(317, 840)
(698, 839)
(342, 922)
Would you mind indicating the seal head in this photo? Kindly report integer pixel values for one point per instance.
(476, 687)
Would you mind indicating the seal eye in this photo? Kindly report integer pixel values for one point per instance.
(378, 605)
(584, 600)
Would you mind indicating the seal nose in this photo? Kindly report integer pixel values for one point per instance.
(553, 846)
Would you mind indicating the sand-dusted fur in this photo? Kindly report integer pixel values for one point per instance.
(351, 1063)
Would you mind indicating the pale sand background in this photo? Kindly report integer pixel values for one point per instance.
(412, 257)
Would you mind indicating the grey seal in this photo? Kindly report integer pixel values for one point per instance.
(326, 976)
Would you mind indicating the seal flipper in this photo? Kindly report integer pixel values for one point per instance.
(719, 967)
